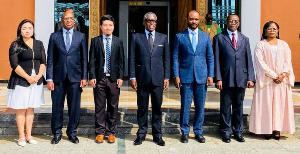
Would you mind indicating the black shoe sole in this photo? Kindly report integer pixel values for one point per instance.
(186, 141)
(137, 143)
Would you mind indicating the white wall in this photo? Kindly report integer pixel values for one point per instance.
(250, 21)
(44, 20)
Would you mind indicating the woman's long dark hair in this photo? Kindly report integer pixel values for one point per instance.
(266, 26)
(19, 44)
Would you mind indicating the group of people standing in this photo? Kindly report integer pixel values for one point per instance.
(196, 64)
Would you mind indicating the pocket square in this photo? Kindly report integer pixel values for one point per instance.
(160, 45)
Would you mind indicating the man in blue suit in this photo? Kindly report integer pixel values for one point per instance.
(149, 63)
(66, 75)
(233, 73)
(193, 67)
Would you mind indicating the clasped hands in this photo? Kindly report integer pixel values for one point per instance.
(279, 79)
(33, 79)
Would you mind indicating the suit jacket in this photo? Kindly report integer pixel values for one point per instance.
(188, 64)
(58, 26)
(148, 66)
(61, 62)
(97, 59)
(234, 67)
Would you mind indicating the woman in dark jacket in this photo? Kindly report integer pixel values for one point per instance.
(25, 87)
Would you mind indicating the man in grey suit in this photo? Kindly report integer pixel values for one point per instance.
(233, 73)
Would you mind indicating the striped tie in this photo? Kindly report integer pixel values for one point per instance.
(108, 54)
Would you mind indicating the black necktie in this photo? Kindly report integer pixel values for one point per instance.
(150, 39)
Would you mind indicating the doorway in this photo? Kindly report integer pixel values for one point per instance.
(131, 17)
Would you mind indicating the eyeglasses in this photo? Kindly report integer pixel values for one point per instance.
(151, 21)
(68, 18)
(272, 29)
(233, 21)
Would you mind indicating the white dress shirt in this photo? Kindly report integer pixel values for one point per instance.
(191, 35)
(235, 36)
(70, 35)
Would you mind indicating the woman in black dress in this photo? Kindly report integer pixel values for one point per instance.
(25, 87)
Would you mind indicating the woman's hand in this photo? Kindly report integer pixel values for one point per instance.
(31, 79)
(279, 79)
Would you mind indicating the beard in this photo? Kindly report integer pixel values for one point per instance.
(193, 26)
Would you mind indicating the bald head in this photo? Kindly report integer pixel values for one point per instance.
(68, 21)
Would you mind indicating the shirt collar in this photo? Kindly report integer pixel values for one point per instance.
(110, 36)
(190, 31)
(71, 31)
(230, 32)
(147, 32)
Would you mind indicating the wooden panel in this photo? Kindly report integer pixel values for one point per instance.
(12, 13)
(184, 6)
(201, 7)
(97, 9)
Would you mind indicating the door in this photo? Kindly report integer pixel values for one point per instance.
(131, 17)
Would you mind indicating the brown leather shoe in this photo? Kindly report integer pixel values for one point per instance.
(111, 139)
(99, 139)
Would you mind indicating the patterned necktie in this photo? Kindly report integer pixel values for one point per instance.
(234, 40)
(150, 39)
(194, 43)
(68, 40)
(108, 53)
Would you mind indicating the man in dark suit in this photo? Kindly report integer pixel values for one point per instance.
(233, 73)
(66, 74)
(149, 64)
(59, 25)
(193, 67)
(106, 71)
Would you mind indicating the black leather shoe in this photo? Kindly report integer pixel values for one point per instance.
(139, 140)
(55, 139)
(268, 136)
(159, 141)
(184, 138)
(226, 139)
(200, 138)
(74, 139)
(239, 138)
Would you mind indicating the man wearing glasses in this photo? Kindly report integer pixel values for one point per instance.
(233, 73)
(149, 64)
(66, 75)
(59, 25)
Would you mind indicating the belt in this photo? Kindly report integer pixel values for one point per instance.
(106, 74)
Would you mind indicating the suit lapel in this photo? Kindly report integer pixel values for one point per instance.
(113, 48)
(188, 40)
(145, 41)
(239, 42)
(156, 40)
(101, 44)
(62, 41)
(227, 38)
(199, 41)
